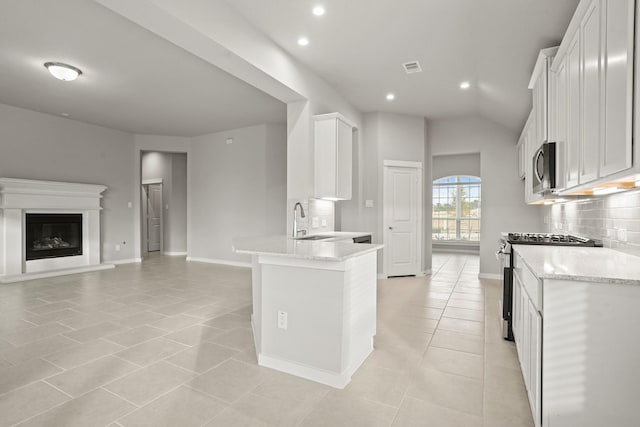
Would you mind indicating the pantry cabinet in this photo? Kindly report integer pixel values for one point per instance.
(592, 74)
(333, 135)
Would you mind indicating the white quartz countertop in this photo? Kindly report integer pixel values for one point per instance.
(581, 264)
(324, 250)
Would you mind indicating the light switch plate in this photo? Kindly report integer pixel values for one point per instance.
(315, 222)
(324, 222)
(368, 203)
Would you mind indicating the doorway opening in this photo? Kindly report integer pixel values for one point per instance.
(163, 202)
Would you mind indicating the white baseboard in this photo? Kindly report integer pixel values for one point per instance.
(126, 261)
(174, 253)
(220, 261)
(331, 379)
(490, 276)
(382, 276)
(54, 273)
(426, 272)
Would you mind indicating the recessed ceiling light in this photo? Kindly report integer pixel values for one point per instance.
(303, 41)
(318, 10)
(390, 97)
(64, 72)
(465, 85)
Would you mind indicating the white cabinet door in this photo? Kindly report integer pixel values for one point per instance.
(591, 67)
(560, 119)
(534, 333)
(333, 157)
(572, 149)
(615, 153)
(344, 160)
(521, 159)
(540, 105)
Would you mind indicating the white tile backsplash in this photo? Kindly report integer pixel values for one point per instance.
(323, 211)
(614, 219)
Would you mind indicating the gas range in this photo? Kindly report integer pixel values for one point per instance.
(551, 239)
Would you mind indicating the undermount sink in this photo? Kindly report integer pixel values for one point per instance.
(313, 237)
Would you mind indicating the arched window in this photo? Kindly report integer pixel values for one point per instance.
(456, 209)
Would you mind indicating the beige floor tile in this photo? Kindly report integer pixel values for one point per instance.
(12, 377)
(79, 354)
(461, 303)
(176, 323)
(144, 385)
(461, 326)
(37, 333)
(50, 307)
(96, 408)
(379, 385)
(135, 336)
(230, 380)
(465, 296)
(183, 407)
(394, 358)
(453, 391)
(274, 412)
(95, 332)
(195, 335)
(238, 339)
(464, 313)
(139, 319)
(209, 311)
(232, 418)
(454, 362)
(281, 386)
(84, 320)
(340, 409)
(151, 351)
(174, 309)
(420, 413)
(36, 349)
(229, 321)
(28, 401)
(504, 407)
(456, 341)
(202, 357)
(51, 317)
(84, 378)
(409, 310)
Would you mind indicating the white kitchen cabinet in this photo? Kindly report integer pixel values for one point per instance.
(539, 85)
(333, 135)
(529, 141)
(616, 148)
(522, 151)
(527, 332)
(591, 69)
(596, 60)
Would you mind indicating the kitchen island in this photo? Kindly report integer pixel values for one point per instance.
(314, 305)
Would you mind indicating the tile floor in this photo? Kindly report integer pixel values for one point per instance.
(168, 343)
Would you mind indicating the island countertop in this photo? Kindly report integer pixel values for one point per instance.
(284, 246)
(581, 264)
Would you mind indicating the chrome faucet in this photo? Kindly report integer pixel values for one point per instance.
(295, 220)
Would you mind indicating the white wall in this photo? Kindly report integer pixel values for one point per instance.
(42, 146)
(503, 206)
(172, 169)
(236, 189)
(458, 164)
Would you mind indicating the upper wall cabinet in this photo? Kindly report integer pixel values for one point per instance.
(333, 135)
(592, 107)
(539, 86)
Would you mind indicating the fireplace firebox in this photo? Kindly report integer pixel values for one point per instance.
(53, 235)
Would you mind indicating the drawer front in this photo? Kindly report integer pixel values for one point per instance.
(529, 281)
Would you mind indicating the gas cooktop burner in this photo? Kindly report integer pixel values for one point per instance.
(551, 239)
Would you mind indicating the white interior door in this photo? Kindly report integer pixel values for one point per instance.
(154, 220)
(402, 218)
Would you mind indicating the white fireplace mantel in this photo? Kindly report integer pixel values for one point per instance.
(21, 196)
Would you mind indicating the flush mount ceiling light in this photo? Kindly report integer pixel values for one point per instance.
(465, 85)
(303, 41)
(318, 10)
(390, 97)
(64, 72)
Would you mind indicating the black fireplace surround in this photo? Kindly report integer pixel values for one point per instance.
(53, 235)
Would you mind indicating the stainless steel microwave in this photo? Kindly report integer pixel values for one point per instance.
(544, 168)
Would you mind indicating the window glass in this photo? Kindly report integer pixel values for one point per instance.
(456, 208)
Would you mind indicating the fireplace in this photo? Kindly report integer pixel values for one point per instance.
(53, 235)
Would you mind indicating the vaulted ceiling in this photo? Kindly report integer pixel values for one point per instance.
(359, 45)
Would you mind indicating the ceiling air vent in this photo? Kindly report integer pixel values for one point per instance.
(412, 67)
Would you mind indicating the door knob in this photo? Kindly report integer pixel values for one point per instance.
(390, 228)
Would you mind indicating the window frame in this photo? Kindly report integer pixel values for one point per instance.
(459, 184)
